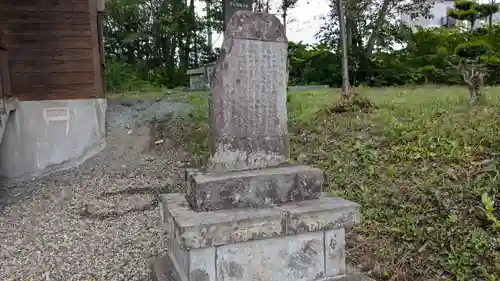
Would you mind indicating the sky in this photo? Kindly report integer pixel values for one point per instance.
(304, 21)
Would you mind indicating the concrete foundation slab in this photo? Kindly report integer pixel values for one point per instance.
(253, 188)
(45, 136)
(205, 229)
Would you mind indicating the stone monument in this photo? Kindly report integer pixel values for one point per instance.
(251, 216)
(199, 77)
(229, 7)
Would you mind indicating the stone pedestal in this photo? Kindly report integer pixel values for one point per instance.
(253, 188)
(251, 216)
(292, 241)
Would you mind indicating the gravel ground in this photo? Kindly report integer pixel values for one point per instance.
(101, 219)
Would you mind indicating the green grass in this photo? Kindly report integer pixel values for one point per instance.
(419, 166)
(423, 166)
(146, 91)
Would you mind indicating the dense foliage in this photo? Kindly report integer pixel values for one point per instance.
(424, 59)
(156, 41)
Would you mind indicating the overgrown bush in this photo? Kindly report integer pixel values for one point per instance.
(120, 76)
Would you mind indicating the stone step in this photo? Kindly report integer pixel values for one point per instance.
(253, 188)
(193, 229)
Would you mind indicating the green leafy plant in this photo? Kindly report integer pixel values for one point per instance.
(488, 208)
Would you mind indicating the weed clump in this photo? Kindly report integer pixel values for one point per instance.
(355, 102)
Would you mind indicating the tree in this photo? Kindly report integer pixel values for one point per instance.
(472, 53)
(470, 11)
(371, 25)
(160, 39)
(346, 88)
(285, 6)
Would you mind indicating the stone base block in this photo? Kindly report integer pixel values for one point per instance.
(303, 257)
(235, 264)
(253, 188)
(299, 241)
(206, 229)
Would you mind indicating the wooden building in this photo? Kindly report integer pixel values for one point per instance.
(53, 48)
(51, 57)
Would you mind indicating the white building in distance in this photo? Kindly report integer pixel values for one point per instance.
(439, 17)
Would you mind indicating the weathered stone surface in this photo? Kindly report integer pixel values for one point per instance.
(209, 69)
(197, 79)
(205, 229)
(253, 188)
(292, 258)
(188, 172)
(162, 269)
(353, 274)
(248, 95)
(232, 6)
(228, 260)
(193, 265)
(255, 26)
(318, 215)
(335, 252)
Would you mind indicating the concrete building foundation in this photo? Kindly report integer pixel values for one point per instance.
(41, 137)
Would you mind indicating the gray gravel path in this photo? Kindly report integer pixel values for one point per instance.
(101, 219)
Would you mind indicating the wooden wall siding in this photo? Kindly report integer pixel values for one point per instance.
(47, 5)
(51, 49)
(4, 69)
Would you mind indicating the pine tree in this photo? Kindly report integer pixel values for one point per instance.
(474, 53)
(467, 10)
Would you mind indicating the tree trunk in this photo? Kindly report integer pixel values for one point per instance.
(348, 28)
(343, 47)
(490, 22)
(185, 51)
(376, 30)
(351, 14)
(284, 15)
(209, 27)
